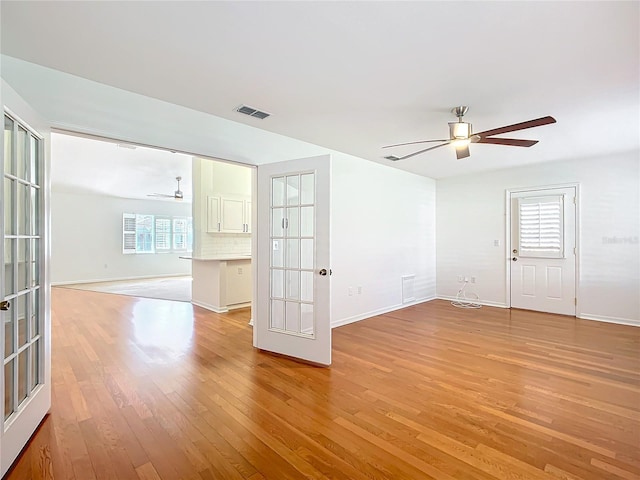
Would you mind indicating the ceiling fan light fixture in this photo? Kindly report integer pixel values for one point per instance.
(460, 142)
(459, 130)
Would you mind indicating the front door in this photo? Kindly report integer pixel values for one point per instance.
(24, 310)
(543, 250)
(292, 315)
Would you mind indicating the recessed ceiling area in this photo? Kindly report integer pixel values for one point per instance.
(342, 76)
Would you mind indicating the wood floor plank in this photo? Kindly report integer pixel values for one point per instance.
(147, 472)
(148, 389)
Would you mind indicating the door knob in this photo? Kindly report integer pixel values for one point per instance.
(5, 305)
(515, 259)
(323, 272)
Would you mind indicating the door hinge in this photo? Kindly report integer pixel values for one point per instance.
(574, 200)
(575, 301)
(575, 251)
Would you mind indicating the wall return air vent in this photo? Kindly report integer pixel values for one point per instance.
(252, 112)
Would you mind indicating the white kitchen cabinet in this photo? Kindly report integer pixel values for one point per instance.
(228, 214)
(214, 220)
(239, 286)
(247, 215)
(232, 215)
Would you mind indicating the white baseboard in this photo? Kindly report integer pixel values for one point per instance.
(603, 318)
(118, 279)
(235, 306)
(210, 307)
(481, 302)
(583, 316)
(381, 311)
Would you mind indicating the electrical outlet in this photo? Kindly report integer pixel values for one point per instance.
(496, 243)
(460, 279)
(350, 291)
(473, 279)
(359, 289)
(239, 270)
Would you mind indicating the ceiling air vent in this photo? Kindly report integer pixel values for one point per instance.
(252, 112)
(393, 158)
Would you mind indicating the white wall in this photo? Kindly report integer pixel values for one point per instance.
(86, 239)
(382, 227)
(471, 215)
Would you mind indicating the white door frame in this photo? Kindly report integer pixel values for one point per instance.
(507, 243)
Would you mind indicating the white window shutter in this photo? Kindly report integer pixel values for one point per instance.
(541, 226)
(128, 233)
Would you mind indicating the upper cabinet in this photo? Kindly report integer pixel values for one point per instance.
(228, 214)
(247, 214)
(214, 221)
(221, 208)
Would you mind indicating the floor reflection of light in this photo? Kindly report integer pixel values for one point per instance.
(162, 329)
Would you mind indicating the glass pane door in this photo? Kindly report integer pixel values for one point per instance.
(292, 261)
(21, 309)
(293, 274)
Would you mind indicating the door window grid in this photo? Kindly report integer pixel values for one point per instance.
(21, 323)
(292, 259)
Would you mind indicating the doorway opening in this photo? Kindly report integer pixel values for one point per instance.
(121, 220)
(142, 231)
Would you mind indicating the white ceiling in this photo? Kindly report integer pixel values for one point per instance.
(81, 165)
(346, 76)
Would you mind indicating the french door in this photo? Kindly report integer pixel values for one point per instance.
(543, 250)
(24, 296)
(292, 311)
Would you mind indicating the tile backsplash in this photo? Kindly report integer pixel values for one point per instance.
(225, 243)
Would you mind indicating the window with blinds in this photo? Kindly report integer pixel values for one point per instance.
(541, 226)
(156, 234)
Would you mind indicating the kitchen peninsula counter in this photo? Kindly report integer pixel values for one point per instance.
(221, 282)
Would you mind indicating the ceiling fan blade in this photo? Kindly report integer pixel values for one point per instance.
(413, 143)
(518, 126)
(462, 152)
(422, 151)
(514, 142)
(164, 195)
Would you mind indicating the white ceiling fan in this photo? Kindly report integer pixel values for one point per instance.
(177, 195)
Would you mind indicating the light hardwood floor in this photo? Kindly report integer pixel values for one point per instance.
(151, 389)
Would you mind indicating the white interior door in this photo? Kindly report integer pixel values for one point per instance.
(292, 311)
(543, 250)
(24, 287)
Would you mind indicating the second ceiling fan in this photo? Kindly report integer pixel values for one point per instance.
(177, 195)
(461, 135)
